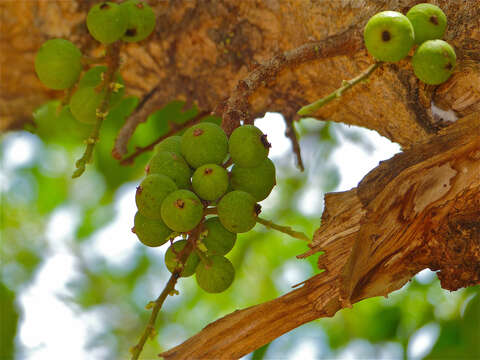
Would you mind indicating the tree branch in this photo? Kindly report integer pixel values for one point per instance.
(174, 128)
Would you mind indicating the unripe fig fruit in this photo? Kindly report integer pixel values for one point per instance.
(150, 232)
(219, 241)
(182, 210)
(434, 62)
(388, 36)
(172, 260)
(150, 194)
(238, 211)
(141, 20)
(171, 144)
(107, 22)
(58, 64)
(210, 181)
(257, 181)
(429, 22)
(84, 104)
(204, 143)
(248, 146)
(217, 276)
(172, 165)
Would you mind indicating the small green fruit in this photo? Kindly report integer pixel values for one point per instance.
(238, 211)
(216, 276)
(172, 144)
(93, 78)
(182, 210)
(150, 232)
(204, 143)
(141, 20)
(388, 36)
(429, 22)
(219, 240)
(248, 146)
(171, 259)
(107, 22)
(434, 61)
(172, 165)
(210, 181)
(151, 193)
(84, 104)
(58, 64)
(257, 181)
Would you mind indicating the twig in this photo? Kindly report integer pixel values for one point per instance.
(346, 84)
(168, 289)
(113, 62)
(236, 107)
(292, 135)
(284, 229)
(210, 211)
(174, 128)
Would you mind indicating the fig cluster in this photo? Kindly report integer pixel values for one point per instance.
(389, 36)
(59, 63)
(206, 187)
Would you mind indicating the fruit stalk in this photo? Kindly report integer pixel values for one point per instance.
(346, 84)
(113, 63)
(284, 229)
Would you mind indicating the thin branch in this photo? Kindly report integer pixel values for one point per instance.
(113, 62)
(174, 128)
(169, 289)
(292, 135)
(236, 107)
(346, 84)
(284, 229)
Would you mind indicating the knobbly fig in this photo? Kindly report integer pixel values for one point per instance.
(172, 165)
(204, 143)
(388, 36)
(172, 259)
(257, 181)
(248, 146)
(107, 22)
(238, 211)
(141, 20)
(210, 181)
(58, 64)
(171, 144)
(218, 241)
(150, 232)
(434, 62)
(150, 194)
(429, 22)
(182, 210)
(216, 275)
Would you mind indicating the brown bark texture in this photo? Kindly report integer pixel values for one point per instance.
(240, 59)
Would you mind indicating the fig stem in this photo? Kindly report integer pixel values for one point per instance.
(168, 289)
(210, 211)
(113, 63)
(310, 109)
(284, 229)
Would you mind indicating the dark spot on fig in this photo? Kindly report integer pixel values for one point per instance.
(139, 190)
(131, 32)
(449, 66)
(133, 230)
(197, 132)
(386, 35)
(265, 142)
(257, 209)
(208, 171)
(434, 20)
(180, 203)
(104, 6)
(139, 5)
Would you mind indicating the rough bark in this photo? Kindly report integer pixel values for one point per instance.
(420, 209)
